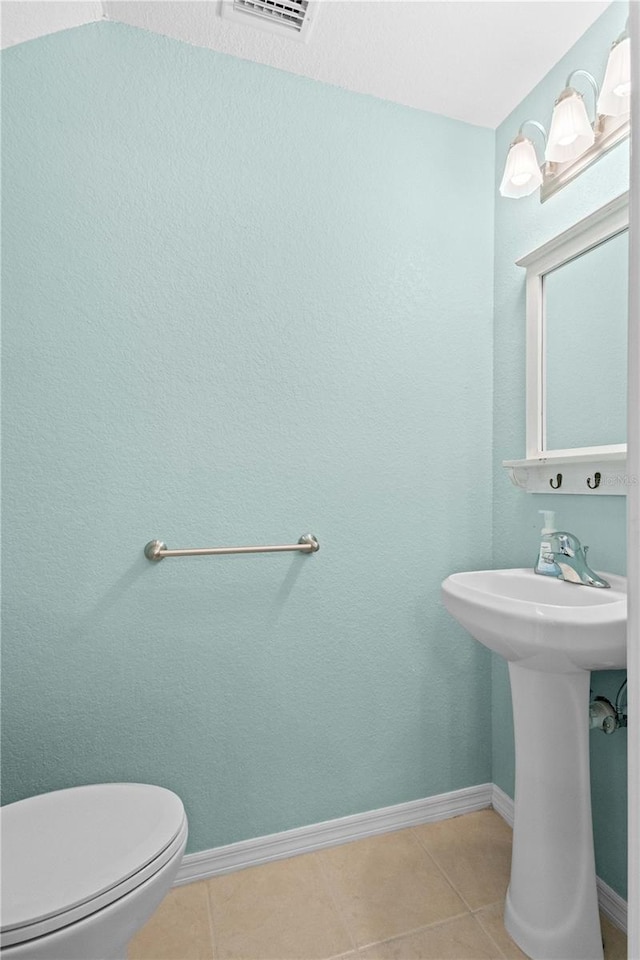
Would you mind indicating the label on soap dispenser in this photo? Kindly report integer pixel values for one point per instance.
(546, 560)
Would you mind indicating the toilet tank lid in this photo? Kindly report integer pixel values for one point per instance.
(64, 848)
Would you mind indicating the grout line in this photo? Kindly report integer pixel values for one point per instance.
(335, 899)
(212, 932)
(365, 946)
(485, 906)
(445, 874)
(471, 909)
(414, 930)
(486, 932)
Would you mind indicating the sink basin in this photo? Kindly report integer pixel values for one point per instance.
(552, 634)
(542, 622)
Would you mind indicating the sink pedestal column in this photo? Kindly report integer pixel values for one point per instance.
(552, 904)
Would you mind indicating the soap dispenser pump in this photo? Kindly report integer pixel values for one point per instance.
(546, 564)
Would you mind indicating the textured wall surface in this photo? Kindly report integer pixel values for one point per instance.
(521, 226)
(398, 52)
(240, 306)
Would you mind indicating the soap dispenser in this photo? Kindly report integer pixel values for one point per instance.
(546, 564)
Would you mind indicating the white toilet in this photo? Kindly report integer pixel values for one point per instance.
(83, 869)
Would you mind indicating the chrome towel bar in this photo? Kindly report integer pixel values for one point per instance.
(157, 550)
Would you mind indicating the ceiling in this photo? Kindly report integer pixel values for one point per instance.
(474, 61)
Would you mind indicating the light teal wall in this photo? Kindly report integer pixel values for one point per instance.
(240, 306)
(521, 226)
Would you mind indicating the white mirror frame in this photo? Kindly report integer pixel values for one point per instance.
(588, 470)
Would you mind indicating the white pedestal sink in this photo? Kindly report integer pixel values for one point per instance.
(553, 634)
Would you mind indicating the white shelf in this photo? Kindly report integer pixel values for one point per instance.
(575, 473)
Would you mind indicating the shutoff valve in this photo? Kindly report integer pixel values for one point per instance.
(603, 716)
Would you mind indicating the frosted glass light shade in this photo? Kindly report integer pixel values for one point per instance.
(522, 174)
(571, 133)
(615, 96)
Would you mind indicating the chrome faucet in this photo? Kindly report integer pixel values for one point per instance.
(563, 556)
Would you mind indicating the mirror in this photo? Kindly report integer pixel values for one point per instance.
(584, 346)
(577, 309)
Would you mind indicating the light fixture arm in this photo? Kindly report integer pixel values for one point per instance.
(538, 126)
(594, 87)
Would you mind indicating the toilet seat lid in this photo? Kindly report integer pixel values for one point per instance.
(64, 849)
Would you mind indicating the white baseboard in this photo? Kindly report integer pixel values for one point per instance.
(611, 903)
(331, 833)
(290, 843)
(502, 804)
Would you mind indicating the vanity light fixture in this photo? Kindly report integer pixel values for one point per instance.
(571, 131)
(522, 174)
(574, 141)
(615, 96)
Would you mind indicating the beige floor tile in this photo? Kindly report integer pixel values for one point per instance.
(615, 941)
(474, 851)
(387, 885)
(278, 911)
(491, 920)
(179, 930)
(460, 939)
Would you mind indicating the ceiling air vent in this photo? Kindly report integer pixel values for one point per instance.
(290, 18)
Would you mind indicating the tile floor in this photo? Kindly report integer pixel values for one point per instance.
(433, 892)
